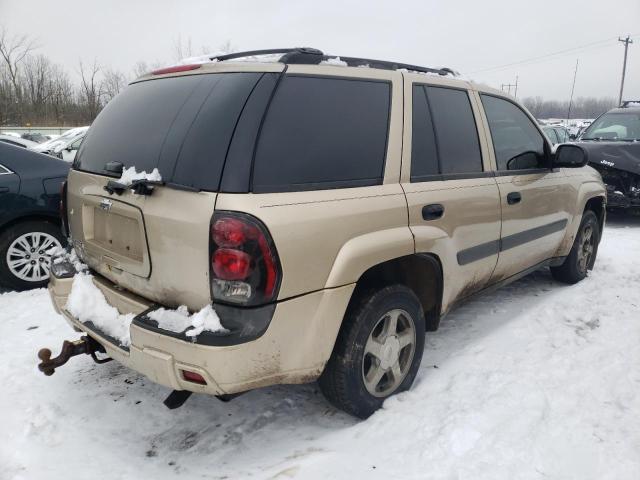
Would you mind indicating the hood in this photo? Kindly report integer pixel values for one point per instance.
(618, 155)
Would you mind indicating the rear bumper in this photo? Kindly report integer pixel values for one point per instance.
(293, 349)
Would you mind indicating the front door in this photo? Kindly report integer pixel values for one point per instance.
(534, 198)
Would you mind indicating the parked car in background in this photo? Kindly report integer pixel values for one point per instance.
(65, 146)
(556, 134)
(35, 137)
(613, 145)
(236, 254)
(17, 141)
(30, 186)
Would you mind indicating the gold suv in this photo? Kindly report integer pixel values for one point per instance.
(239, 224)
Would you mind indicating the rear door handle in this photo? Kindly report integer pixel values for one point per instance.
(4, 189)
(432, 212)
(513, 198)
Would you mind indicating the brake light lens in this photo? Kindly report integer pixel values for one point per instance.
(245, 268)
(176, 69)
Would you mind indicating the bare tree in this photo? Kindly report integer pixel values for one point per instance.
(13, 51)
(91, 90)
(114, 81)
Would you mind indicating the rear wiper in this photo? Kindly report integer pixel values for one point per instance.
(139, 187)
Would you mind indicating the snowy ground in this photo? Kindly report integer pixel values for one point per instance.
(537, 380)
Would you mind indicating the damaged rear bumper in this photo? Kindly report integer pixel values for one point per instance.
(293, 346)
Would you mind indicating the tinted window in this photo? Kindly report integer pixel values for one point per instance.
(455, 128)
(424, 155)
(517, 142)
(323, 133)
(181, 125)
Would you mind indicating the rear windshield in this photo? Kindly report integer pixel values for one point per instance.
(180, 125)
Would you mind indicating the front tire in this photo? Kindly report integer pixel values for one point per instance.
(24, 263)
(377, 352)
(583, 252)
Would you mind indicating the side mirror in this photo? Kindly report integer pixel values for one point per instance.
(570, 156)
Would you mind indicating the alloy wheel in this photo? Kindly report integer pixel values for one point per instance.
(27, 257)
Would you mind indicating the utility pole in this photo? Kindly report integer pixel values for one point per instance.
(508, 87)
(626, 42)
(515, 95)
(575, 74)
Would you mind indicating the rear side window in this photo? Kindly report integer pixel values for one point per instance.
(517, 143)
(445, 138)
(424, 154)
(455, 126)
(321, 133)
(180, 125)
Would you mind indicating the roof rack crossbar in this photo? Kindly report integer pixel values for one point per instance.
(313, 56)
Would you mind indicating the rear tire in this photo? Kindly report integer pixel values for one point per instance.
(583, 252)
(378, 351)
(23, 244)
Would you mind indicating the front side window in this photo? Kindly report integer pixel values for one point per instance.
(517, 143)
(323, 133)
(551, 133)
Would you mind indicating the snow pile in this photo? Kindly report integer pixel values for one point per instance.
(129, 175)
(179, 320)
(633, 104)
(62, 255)
(87, 303)
(334, 61)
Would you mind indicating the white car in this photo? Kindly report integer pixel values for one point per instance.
(65, 146)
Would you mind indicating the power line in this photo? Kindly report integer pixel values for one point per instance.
(597, 44)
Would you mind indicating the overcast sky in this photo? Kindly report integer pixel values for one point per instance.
(469, 36)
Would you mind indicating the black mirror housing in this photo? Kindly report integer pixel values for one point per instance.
(570, 156)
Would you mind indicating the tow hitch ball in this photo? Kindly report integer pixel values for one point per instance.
(86, 345)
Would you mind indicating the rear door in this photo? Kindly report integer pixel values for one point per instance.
(9, 188)
(453, 199)
(534, 199)
(157, 245)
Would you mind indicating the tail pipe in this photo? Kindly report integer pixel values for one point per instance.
(86, 345)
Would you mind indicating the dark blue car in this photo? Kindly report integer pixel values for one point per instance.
(30, 225)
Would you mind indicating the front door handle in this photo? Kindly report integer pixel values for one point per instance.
(513, 198)
(4, 189)
(432, 212)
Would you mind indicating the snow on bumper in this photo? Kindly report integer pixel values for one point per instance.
(293, 349)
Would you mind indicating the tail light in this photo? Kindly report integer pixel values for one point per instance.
(63, 209)
(245, 269)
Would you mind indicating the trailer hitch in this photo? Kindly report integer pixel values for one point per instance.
(86, 345)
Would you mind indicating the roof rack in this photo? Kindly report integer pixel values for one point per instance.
(630, 103)
(313, 56)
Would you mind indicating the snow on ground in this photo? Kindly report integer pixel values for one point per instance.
(537, 380)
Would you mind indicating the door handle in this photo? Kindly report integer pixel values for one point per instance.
(432, 212)
(4, 189)
(513, 198)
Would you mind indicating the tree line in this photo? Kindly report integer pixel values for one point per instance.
(581, 107)
(36, 91)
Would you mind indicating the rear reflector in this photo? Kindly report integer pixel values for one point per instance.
(193, 377)
(177, 68)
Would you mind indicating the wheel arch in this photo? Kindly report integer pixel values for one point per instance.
(420, 272)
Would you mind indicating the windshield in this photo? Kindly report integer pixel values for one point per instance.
(615, 126)
(180, 125)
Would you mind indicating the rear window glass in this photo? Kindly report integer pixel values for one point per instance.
(323, 133)
(180, 125)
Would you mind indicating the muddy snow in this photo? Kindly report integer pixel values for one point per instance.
(537, 380)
